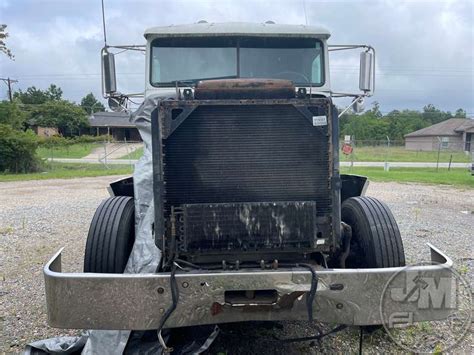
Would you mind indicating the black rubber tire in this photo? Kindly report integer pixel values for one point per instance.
(376, 240)
(111, 236)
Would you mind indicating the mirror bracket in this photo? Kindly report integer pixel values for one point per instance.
(117, 103)
(367, 64)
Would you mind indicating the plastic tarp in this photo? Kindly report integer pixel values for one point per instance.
(144, 258)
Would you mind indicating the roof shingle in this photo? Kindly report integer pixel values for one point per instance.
(451, 127)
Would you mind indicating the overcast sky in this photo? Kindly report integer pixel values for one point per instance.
(425, 50)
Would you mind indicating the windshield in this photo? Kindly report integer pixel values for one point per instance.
(186, 61)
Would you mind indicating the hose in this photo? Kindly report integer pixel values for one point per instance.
(312, 290)
(174, 298)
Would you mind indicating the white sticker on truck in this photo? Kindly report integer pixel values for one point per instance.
(320, 121)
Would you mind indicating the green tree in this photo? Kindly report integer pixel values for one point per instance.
(11, 114)
(433, 115)
(69, 118)
(343, 121)
(54, 93)
(372, 125)
(91, 105)
(3, 47)
(367, 126)
(460, 113)
(404, 122)
(18, 150)
(34, 96)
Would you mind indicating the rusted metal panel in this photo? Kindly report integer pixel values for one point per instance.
(223, 89)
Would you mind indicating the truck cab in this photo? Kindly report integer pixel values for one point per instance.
(183, 55)
(251, 216)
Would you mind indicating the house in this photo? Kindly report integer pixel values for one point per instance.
(456, 134)
(115, 124)
(45, 131)
(42, 131)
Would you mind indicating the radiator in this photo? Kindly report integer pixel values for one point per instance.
(239, 155)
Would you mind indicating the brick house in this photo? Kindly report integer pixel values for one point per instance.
(455, 134)
(45, 131)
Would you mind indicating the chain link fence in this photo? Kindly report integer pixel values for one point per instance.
(105, 152)
(437, 152)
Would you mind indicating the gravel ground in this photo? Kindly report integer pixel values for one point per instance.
(39, 217)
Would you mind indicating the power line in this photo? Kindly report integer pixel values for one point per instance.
(384, 112)
(403, 73)
(9, 83)
(347, 70)
(418, 69)
(71, 75)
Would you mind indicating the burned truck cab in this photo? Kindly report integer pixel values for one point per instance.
(246, 151)
(251, 216)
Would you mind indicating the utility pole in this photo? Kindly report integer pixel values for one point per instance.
(9, 83)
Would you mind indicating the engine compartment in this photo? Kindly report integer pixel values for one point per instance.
(245, 180)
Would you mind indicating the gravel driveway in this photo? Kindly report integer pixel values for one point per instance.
(39, 217)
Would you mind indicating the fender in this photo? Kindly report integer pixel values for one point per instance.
(121, 187)
(353, 186)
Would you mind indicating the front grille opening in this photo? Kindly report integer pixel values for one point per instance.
(251, 297)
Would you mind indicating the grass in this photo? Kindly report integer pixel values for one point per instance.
(400, 154)
(456, 177)
(73, 151)
(69, 171)
(362, 153)
(136, 154)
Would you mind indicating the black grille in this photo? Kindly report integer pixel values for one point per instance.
(247, 153)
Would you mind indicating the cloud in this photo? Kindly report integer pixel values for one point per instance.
(424, 48)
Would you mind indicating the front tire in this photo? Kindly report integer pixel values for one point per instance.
(111, 236)
(376, 240)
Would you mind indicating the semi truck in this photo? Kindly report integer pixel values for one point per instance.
(253, 219)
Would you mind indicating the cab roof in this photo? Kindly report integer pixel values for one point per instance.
(268, 29)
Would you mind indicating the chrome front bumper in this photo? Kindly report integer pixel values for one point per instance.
(138, 301)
